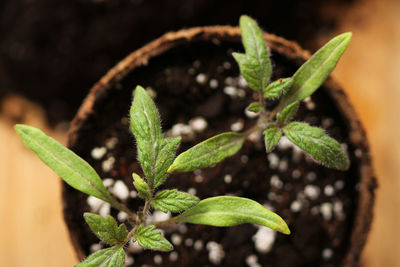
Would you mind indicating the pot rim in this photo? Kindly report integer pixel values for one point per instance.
(364, 213)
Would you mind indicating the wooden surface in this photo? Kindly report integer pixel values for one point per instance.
(32, 230)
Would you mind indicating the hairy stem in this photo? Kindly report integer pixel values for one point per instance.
(172, 220)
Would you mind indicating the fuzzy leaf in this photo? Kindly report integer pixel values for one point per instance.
(255, 107)
(106, 229)
(314, 141)
(277, 88)
(146, 126)
(150, 239)
(109, 257)
(70, 167)
(208, 152)
(271, 137)
(141, 186)
(165, 158)
(154, 152)
(313, 73)
(231, 211)
(174, 201)
(255, 65)
(287, 113)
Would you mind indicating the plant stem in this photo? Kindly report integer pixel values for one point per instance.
(146, 210)
(131, 233)
(172, 220)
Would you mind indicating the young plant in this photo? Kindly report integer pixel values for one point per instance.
(156, 154)
(255, 66)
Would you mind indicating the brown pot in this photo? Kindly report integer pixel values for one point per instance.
(328, 211)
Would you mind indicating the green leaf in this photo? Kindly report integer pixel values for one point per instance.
(70, 167)
(255, 107)
(141, 186)
(165, 158)
(106, 229)
(148, 238)
(314, 141)
(313, 73)
(287, 113)
(271, 137)
(154, 152)
(208, 152)
(231, 211)
(277, 88)
(174, 201)
(146, 126)
(255, 65)
(109, 257)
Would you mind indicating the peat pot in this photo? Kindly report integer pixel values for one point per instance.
(194, 79)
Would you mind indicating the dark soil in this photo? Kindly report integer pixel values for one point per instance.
(320, 228)
(53, 51)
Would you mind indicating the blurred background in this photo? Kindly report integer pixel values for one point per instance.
(53, 51)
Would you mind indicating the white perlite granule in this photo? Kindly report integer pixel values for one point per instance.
(181, 129)
(264, 239)
(173, 256)
(339, 185)
(276, 182)
(311, 191)
(105, 210)
(108, 164)
(120, 190)
(94, 203)
(273, 160)
(133, 194)
(296, 206)
(122, 216)
(192, 191)
(213, 84)
(252, 261)
(242, 82)
(198, 245)
(215, 252)
(189, 242)
(108, 182)
(157, 259)
(283, 165)
(198, 179)
(237, 126)
(95, 247)
(110, 143)
(311, 176)
(158, 216)
(176, 239)
(230, 90)
(327, 253)
(326, 210)
(201, 78)
(98, 152)
(198, 124)
(329, 190)
(228, 179)
(134, 247)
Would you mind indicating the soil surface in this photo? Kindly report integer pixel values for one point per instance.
(203, 81)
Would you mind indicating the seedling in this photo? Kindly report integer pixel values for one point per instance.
(156, 154)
